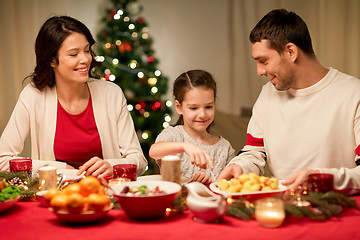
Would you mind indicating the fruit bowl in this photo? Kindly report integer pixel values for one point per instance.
(81, 217)
(146, 207)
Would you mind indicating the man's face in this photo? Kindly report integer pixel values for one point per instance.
(276, 67)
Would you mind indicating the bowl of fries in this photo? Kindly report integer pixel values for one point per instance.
(249, 186)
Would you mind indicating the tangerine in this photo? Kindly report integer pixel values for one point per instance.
(89, 185)
(75, 202)
(97, 201)
(72, 188)
(59, 202)
(51, 193)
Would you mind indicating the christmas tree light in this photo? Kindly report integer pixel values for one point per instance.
(128, 59)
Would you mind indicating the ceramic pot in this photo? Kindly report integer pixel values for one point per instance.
(204, 204)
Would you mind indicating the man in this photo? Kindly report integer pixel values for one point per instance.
(307, 118)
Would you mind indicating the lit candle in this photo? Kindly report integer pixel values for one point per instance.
(47, 177)
(270, 212)
(115, 181)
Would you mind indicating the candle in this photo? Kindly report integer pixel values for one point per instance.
(47, 177)
(270, 212)
(115, 181)
(171, 169)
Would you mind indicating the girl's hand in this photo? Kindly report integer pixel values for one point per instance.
(96, 167)
(201, 177)
(198, 156)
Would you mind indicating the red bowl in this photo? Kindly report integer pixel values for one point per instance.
(142, 208)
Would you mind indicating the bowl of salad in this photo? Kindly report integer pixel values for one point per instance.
(145, 200)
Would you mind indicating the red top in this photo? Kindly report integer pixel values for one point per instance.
(77, 139)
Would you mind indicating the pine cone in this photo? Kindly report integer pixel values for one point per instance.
(16, 182)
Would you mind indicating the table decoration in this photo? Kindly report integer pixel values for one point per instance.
(270, 212)
(20, 165)
(171, 169)
(26, 182)
(47, 178)
(322, 206)
(125, 171)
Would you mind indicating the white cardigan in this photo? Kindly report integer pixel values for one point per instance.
(36, 111)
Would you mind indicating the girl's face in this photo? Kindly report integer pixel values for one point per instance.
(197, 108)
(74, 59)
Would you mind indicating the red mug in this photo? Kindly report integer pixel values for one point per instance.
(321, 182)
(125, 171)
(20, 165)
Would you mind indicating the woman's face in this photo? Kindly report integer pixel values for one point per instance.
(197, 108)
(74, 60)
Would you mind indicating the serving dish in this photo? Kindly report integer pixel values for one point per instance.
(145, 207)
(81, 217)
(250, 196)
(5, 205)
(70, 175)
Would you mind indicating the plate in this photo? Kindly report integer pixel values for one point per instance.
(157, 177)
(82, 217)
(70, 175)
(250, 196)
(5, 205)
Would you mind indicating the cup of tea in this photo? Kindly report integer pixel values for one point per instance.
(321, 182)
(21, 165)
(125, 171)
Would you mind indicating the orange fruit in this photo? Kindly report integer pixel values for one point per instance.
(89, 185)
(59, 202)
(72, 188)
(75, 202)
(97, 201)
(51, 193)
(102, 190)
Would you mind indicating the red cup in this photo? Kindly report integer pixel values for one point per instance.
(20, 165)
(125, 171)
(321, 182)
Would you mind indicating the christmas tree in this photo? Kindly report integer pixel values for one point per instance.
(128, 59)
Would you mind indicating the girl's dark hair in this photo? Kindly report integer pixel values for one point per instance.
(48, 41)
(189, 80)
(281, 27)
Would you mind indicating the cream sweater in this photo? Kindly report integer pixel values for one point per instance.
(313, 128)
(36, 111)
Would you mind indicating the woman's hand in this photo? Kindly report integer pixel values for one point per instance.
(96, 167)
(69, 166)
(201, 177)
(198, 156)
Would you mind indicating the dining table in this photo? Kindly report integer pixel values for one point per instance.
(29, 220)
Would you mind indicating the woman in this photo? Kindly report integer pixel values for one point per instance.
(75, 121)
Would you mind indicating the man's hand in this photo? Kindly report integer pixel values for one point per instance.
(298, 178)
(230, 171)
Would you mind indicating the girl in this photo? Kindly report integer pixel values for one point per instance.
(75, 121)
(195, 94)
